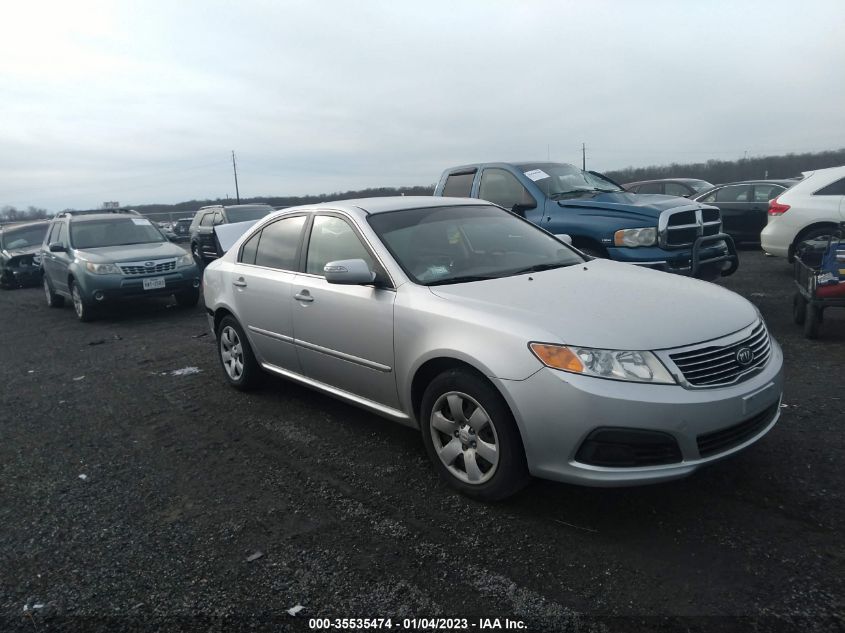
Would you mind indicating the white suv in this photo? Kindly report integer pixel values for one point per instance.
(812, 208)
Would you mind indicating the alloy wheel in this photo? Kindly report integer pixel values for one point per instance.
(464, 438)
(231, 353)
(77, 301)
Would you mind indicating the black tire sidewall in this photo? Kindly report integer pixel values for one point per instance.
(512, 472)
(252, 373)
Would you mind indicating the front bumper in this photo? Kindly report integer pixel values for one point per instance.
(556, 411)
(704, 260)
(109, 288)
(14, 276)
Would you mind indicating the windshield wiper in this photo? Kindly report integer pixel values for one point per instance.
(460, 279)
(536, 268)
(558, 194)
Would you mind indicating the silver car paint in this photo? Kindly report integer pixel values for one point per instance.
(489, 324)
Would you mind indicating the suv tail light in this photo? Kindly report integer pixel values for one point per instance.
(776, 208)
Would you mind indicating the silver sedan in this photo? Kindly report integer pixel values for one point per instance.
(513, 353)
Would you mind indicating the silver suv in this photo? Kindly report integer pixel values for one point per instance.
(93, 258)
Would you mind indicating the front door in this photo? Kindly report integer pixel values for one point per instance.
(344, 334)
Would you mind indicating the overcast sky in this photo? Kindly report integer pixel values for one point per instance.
(143, 102)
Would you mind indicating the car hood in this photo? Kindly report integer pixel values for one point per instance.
(645, 205)
(606, 304)
(17, 252)
(133, 252)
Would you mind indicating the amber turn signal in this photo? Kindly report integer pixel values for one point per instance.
(557, 356)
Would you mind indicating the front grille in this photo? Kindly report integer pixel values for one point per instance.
(717, 365)
(725, 439)
(682, 228)
(140, 268)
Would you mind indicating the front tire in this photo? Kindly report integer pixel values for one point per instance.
(236, 358)
(471, 437)
(84, 309)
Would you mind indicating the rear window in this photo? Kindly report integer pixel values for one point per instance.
(833, 189)
(114, 232)
(459, 185)
(279, 242)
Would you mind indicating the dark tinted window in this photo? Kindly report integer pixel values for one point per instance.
(675, 189)
(501, 187)
(833, 189)
(459, 185)
(650, 187)
(249, 249)
(207, 219)
(734, 193)
(279, 242)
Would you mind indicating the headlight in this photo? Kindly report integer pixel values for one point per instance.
(102, 269)
(635, 237)
(603, 363)
(185, 260)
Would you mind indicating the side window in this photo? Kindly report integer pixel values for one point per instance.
(459, 185)
(711, 197)
(833, 189)
(54, 233)
(764, 193)
(61, 238)
(675, 189)
(249, 249)
(651, 187)
(333, 239)
(218, 218)
(501, 187)
(279, 243)
(207, 219)
(734, 193)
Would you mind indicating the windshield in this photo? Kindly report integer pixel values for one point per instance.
(113, 232)
(245, 214)
(467, 243)
(24, 237)
(558, 178)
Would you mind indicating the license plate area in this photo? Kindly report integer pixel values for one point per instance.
(153, 283)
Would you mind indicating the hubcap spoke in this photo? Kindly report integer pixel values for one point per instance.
(488, 452)
(451, 451)
(474, 473)
(439, 422)
(478, 420)
(456, 408)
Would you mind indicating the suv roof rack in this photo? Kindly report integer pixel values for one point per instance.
(72, 212)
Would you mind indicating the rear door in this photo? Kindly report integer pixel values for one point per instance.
(344, 334)
(262, 279)
(736, 204)
(60, 262)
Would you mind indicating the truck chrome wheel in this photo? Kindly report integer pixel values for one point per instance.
(231, 353)
(464, 438)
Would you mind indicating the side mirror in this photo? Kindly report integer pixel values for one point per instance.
(56, 247)
(563, 237)
(350, 272)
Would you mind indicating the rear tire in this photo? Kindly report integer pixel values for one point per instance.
(471, 437)
(811, 323)
(53, 300)
(799, 308)
(236, 358)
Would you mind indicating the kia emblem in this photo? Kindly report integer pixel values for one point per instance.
(744, 356)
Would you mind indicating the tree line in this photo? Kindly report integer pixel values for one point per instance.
(13, 214)
(721, 171)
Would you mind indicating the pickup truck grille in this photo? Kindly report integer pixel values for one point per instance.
(719, 365)
(141, 268)
(682, 227)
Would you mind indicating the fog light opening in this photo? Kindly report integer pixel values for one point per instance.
(196, 283)
(99, 295)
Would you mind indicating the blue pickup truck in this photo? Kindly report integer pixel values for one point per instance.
(663, 232)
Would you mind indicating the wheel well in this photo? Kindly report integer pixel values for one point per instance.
(429, 371)
(219, 315)
(807, 229)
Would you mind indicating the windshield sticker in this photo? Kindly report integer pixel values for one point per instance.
(141, 221)
(536, 174)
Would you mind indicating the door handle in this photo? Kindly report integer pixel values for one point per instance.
(240, 283)
(303, 295)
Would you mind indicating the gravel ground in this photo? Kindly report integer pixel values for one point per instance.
(136, 498)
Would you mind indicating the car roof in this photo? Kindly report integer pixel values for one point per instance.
(87, 217)
(371, 206)
(762, 181)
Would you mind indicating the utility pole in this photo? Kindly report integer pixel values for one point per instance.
(584, 156)
(235, 169)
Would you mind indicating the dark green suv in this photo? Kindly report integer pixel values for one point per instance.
(93, 258)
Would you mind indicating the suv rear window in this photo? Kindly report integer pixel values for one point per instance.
(833, 189)
(459, 185)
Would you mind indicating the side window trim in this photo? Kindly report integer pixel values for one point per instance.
(306, 228)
